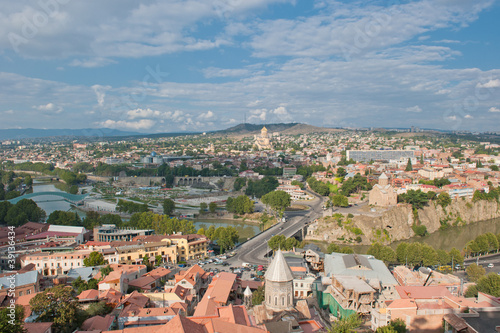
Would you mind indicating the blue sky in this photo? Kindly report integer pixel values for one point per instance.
(199, 65)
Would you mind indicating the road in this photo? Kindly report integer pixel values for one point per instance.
(254, 250)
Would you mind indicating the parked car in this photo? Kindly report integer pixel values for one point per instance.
(490, 265)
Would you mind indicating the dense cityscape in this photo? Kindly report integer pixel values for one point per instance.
(259, 231)
(249, 166)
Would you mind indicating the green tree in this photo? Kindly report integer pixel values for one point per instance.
(456, 257)
(340, 200)
(106, 270)
(443, 199)
(57, 305)
(258, 296)
(158, 259)
(168, 207)
(98, 309)
(417, 199)
(201, 231)
(239, 183)
(278, 201)
(346, 325)
(443, 257)
(475, 272)
(60, 217)
(332, 247)
(12, 322)
(297, 183)
(94, 259)
(489, 284)
(382, 252)
(402, 252)
(212, 207)
(395, 326)
(409, 167)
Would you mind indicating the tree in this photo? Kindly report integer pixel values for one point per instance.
(340, 200)
(409, 167)
(402, 252)
(168, 207)
(382, 252)
(456, 257)
(417, 199)
(341, 172)
(443, 257)
(258, 296)
(158, 259)
(346, 325)
(297, 183)
(489, 284)
(57, 305)
(443, 199)
(239, 183)
(94, 259)
(332, 247)
(395, 326)
(106, 270)
(475, 272)
(212, 207)
(12, 322)
(59, 217)
(355, 185)
(278, 201)
(240, 205)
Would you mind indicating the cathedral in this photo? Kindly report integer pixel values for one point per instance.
(263, 141)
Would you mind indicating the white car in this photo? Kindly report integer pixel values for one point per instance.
(490, 265)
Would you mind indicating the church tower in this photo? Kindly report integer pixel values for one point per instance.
(263, 132)
(247, 298)
(279, 284)
(383, 179)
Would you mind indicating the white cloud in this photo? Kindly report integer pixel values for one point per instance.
(92, 62)
(415, 108)
(143, 124)
(451, 118)
(490, 84)
(9, 112)
(468, 116)
(100, 92)
(494, 109)
(209, 115)
(212, 72)
(143, 113)
(49, 107)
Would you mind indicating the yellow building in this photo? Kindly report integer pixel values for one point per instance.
(189, 247)
(262, 141)
(134, 254)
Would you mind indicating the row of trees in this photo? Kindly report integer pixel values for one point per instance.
(161, 224)
(415, 254)
(131, 207)
(23, 211)
(483, 244)
(225, 237)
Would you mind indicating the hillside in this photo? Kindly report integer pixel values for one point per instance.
(396, 223)
(246, 129)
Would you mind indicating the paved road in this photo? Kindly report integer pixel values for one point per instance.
(254, 250)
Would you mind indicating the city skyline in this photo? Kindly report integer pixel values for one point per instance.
(197, 65)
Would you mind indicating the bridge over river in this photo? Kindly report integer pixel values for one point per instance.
(74, 199)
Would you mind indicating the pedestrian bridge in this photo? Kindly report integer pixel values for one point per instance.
(51, 196)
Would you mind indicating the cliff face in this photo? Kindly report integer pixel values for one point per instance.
(398, 221)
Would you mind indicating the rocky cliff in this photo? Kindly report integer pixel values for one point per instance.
(396, 223)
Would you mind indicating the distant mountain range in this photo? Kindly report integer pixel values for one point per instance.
(31, 133)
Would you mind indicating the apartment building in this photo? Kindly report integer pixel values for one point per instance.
(134, 254)
(109, 232)
(51, 264)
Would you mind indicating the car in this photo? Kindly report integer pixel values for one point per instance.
(490, 265)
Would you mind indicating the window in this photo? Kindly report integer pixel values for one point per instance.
(283, 300)
(20, 293)
(275, 300)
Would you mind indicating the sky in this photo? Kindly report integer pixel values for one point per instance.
(198, 65)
